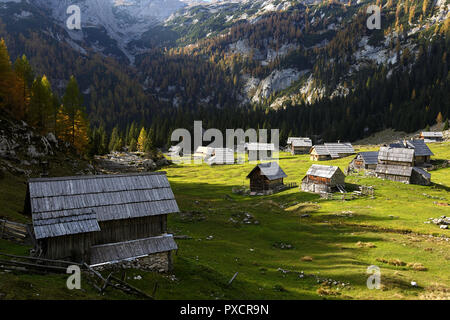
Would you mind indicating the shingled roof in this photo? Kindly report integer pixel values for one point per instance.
(317, 170)
(271, 170)
(369, 157)
(396, 154)
(70, 203)
(420, 148)
(432, 134)
(321, 150)
(49, 225)
(334, 149)
(129, 250)
(301, 142)
(403, 171)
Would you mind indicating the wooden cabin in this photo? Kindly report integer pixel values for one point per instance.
(103, 219)
(397, 164)
(266, 177)
(431, 136)
(259, 151)
(330, 151)
(365, 161)
(422, 153)
(320, 179)
(299, 145)
(221, 156)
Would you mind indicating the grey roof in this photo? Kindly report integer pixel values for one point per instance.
(129, 250)
(403, 171)
(271, 170)
(432, 134)
(321, 150)
(111, 197)
(422, 172)
(397, 145)
(48, 225)
(396, 154)
(334, 149)
(302, 142)
(369, 157)
(420, 147)
(322, 171)
(293, 140)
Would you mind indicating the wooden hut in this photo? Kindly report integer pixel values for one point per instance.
(422, 153)
(397, 164)
(329, 151)
(299, 145)
(266, 177)
(103, 219)
(321, 179)
(432, 136)
(365, 161)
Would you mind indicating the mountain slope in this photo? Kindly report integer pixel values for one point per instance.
(211, 60)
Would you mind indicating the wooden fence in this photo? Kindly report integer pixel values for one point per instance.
(13, 231)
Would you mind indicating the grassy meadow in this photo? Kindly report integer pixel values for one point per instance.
(296, 245)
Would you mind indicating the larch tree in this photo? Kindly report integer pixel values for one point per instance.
(142, 140)
(7, 78)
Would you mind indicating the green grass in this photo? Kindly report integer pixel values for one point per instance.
(392, 223)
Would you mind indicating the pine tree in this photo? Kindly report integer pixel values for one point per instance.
(73, 105)
(133, 145)
(40, 104)
(25, 77)
(148, 146)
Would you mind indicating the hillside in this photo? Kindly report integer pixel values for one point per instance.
(290, 245)
(232, 60)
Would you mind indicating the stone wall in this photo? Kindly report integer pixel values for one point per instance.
(158, 262)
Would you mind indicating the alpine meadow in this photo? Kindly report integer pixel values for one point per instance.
(216, 150)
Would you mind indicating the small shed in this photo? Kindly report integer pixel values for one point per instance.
(422, 153)
(221, 156)
(103, 219)
(365, 161)
(321, 179)
(300, 145)
(432, 136)
(329, 151)
(266, 176)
